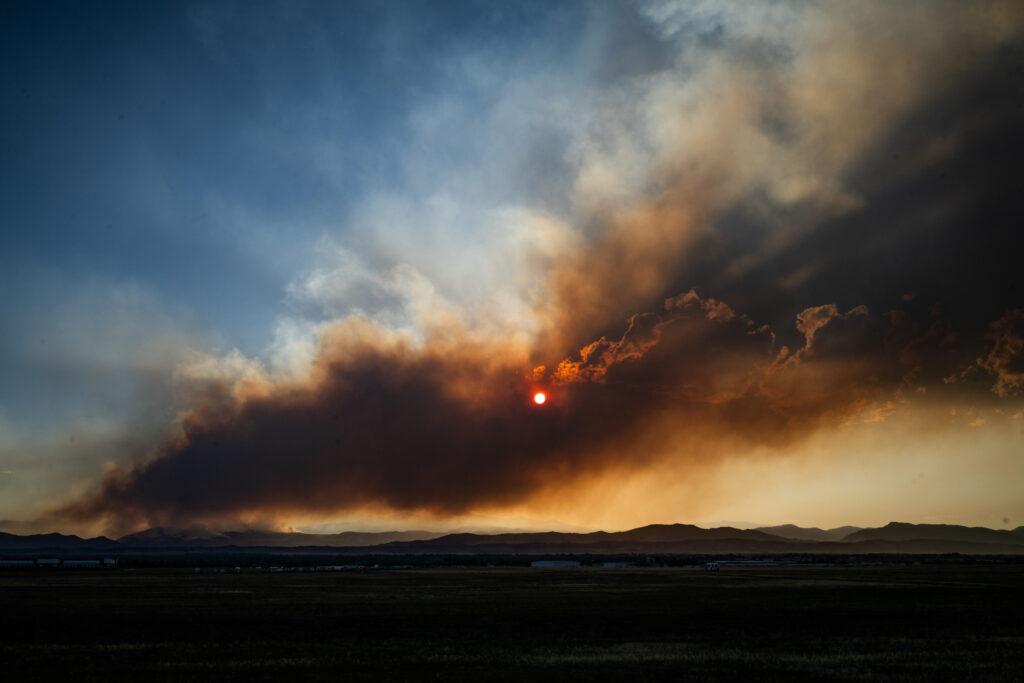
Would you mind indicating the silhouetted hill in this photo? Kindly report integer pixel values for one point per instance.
(55, 542)
(671, 533)
(166, 537)
(163, 537)
(342, 539)
(690, 539)
(800, 533)
(704, 546)
(652, 538)
(655, 539)
(902, 531)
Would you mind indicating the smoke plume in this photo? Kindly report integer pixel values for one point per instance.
(788, 159)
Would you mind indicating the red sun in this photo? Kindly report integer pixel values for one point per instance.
(539, 398)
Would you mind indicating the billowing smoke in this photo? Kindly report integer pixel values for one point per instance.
(745, 154)
(750, 166)
(447, 426)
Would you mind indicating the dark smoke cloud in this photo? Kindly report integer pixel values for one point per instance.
(385, 423)
(1005, 357)
(851, 157)
(808, 176)
(379, 424)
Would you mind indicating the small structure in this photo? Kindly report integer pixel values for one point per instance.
(554, 564)
(613, 565)
(83, 564)
(17, 563)
(716, 565)
(338, 568)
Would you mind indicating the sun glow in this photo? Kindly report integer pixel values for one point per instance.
(539, 398)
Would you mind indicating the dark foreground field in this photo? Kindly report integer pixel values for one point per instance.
(925, 621)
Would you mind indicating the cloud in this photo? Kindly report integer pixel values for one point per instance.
(444, 425)
(741, 155)
(1005, 357)
(767, 114)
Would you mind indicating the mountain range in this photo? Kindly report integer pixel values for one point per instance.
(895, 537)
(163, 537)
(798, 533)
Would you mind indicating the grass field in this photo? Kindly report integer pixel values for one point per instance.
(941, 621)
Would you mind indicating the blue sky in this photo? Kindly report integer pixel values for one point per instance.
(195, 154)
(173, 171)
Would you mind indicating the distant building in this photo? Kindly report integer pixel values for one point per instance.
(613, 565)
(554, 564)
(17, 563)
(338, 568)
(716, 565)
(83, 564)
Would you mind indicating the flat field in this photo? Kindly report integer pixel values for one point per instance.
(934, 621)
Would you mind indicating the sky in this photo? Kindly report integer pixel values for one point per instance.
(303, 265)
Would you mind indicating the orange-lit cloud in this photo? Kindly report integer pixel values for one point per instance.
(442, 427)
(762, 171)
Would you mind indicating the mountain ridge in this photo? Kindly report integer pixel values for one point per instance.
(203, 538)
(895, 537)
(906, 531)
(800, 533)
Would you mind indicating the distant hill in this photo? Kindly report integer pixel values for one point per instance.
(690, 539)
(902, 531)
(800, 533)
(654, 533)
(56, 542)
(164, 537)
(167, 537)
(654, 539)
(665, 538)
